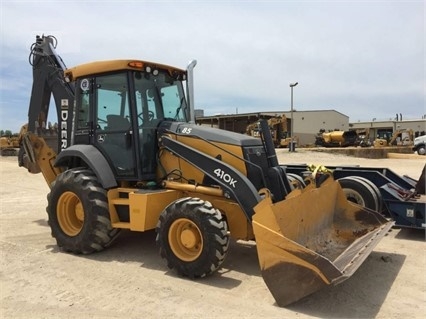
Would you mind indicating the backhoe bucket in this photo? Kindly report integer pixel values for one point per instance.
(313, 238)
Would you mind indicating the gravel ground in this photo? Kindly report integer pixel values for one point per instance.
(129, 279)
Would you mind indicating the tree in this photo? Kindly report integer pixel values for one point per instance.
(6, 133)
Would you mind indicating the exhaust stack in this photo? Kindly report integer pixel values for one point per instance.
(190, 89)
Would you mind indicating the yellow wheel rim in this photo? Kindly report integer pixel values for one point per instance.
(70, 213)
(185, 239)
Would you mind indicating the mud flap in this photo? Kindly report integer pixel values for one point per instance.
(312, 239)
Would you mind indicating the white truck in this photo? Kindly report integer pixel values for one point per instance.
(420, 145)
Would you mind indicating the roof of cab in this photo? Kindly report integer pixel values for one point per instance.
(114, 65)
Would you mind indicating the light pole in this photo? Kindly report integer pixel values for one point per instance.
(292, 85)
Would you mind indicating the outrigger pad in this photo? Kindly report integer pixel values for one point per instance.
(312, 239)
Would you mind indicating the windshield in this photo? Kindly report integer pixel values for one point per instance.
(160, 97)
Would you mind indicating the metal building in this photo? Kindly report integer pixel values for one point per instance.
(306, 123)
(378, 129)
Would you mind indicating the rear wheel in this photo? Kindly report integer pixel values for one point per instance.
(193, 237)
(296, 180)
(375, 189)
(421, 150)
(78, 212)
(360, 192)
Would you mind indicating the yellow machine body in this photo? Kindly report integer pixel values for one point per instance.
(306, 238)
(9, 145)
(313, 238)
(336, 136)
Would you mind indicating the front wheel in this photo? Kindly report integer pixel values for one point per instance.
(193, 237)
(78, 212)
(421, 150)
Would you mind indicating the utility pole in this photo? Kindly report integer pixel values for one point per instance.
(292, 148)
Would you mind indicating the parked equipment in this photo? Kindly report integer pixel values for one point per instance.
(398, 138)
(336, 138)
(279, 131)
(129, 156)
(419, 145)
(363, 137)
(9, 146)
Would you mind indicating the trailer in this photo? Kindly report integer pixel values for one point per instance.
(400, 198)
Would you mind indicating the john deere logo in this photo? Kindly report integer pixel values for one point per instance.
(84, 85)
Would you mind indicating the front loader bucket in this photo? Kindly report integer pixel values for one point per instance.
(313, 238)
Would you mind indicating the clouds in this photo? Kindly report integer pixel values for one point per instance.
(364, 59)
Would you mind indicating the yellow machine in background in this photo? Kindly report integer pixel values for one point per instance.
(336, 138)
(130, 156)
(9, 146)
(279, 131)
(398, 138)
(363, 137)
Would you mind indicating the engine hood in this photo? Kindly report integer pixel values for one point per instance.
(209, 133)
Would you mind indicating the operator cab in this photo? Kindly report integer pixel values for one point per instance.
(118, 111)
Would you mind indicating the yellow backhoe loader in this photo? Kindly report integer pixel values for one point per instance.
(129, 156)
(399, 138)
(9, 145)
(279, 132)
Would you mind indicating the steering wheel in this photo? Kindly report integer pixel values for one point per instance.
(101, 121)
(151, 116)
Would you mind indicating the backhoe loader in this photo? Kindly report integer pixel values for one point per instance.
(402, 137)
(278, 128)
(130, 156)
(9, 145)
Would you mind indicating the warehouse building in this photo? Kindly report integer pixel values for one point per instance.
(307, 124)
(385, 129)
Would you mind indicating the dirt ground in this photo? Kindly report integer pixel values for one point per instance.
(130, 280)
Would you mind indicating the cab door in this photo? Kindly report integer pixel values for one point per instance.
(113, 127)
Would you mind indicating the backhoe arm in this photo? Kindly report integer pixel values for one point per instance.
(48, 79)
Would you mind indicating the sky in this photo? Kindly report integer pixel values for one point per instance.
(365, 59)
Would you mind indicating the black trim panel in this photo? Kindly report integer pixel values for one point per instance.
(236, 185)
(92, 157)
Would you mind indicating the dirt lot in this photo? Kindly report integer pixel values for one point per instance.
(129, 280)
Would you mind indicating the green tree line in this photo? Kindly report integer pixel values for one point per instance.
(7, 133)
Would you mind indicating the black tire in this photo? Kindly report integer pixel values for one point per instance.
(78, 212)
(359, 192)
(296, 180)
(376, 191)
(421, 150)
(193, 237)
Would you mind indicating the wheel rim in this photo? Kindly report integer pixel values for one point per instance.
(70, 213)
(185, 239)
(354, 197)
